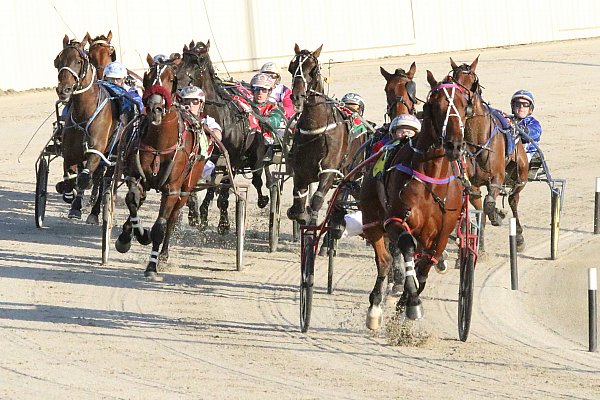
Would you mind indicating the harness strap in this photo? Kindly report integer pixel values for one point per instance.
(399, 220)
(421, 176)
(319, 131)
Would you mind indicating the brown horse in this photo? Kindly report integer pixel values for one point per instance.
(488, 162)
(92, 127)
(423, 198)
(400, 91)
(164, 156)
(101, 52)
(322, 150)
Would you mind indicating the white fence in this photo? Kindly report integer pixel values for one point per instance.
(246, 33)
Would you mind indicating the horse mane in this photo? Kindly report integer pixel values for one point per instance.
(401, 73)
(99, 37)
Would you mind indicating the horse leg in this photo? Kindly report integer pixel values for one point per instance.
(171, 223)
(316, 202)
(383, 259)
(134, 200)
(396, 274)
(489, 205)
(258, 183)
(413, 286)
(75, 211)
(513, 201)
(208, 198)
(193, 215)
(159, 232)
(93, 219)
(297, 212)
(223, 204)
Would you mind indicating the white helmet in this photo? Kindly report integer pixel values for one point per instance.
(270, 67)
(115, 70)
(160, 58)
(407, 121)
(353, 98)
(262, 81)
(192, 92)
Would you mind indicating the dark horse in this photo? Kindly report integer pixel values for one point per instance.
(322, 148)
(423, 198)
(92, 127)
(162, 156)
(488, 162)
(246, 148)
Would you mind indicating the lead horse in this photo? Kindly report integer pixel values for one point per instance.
(488, 159)
(322, 148)
(163, 155)
(423, 198)
(246, 148)
(92, 127)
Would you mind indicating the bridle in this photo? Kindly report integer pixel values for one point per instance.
(449, 89)
(81, 75)
(391, 103)
(314, 74)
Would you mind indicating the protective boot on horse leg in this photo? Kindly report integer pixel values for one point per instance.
(406, 244)
(203, 209)
(223, 204)
(258, 184)
(297, 212)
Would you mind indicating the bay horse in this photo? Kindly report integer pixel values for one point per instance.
(423, 198)
(488, 162)
(164, 155)
(101, 52)
(246, 148)
(92, 126)
(322, 148)
(400, 91)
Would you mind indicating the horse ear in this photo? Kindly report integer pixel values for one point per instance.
(65, 41)
(317, 52)
(185, 48)
(412, 70)
(385, 74)
(474, 63)
(453, 64)
(150, 60)
(85, 41)
(87, 37)
(109, 36)
(296, 48)
(207, 45)
(432, 81)
(192, 44)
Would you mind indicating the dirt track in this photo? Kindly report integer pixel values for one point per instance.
(74, 329)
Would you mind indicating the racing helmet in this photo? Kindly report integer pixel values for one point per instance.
(261, 80)
(115, 70)
(406, 120)
(160, 58)
(271, 68)
(523, 94)
(353, 98)
(192, 92)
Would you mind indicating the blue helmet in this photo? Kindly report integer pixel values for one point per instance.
(115, 70)
(523, 94)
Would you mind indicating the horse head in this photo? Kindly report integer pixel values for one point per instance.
(196, 68)
(73, 64)
(400, 91)
(160, 84)
(446, 111)
(465, 75)
(101, 52)
(306, 75)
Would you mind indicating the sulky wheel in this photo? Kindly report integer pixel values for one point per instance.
(465, 294)
(307, 277)
(554, 224)
(274, 217)
(41, 191)
(240, 225)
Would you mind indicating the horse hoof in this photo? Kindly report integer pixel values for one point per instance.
(292, 214)
(152, 276)
(263, 201)
(92, 219)
(396, 289)
(414, 312)
(520, 244)
(442, 265)
(75, 214)
(193, 220)
(144, 239)
(122, 246)
(374, 317)
(202, 225)
(223, 229)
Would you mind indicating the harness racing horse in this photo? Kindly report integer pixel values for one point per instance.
(246, 148)
(488, 160)
(322, 148)
(101, 52)
(423, 198)
(164, 156)
(400, 91)
(92, 127)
